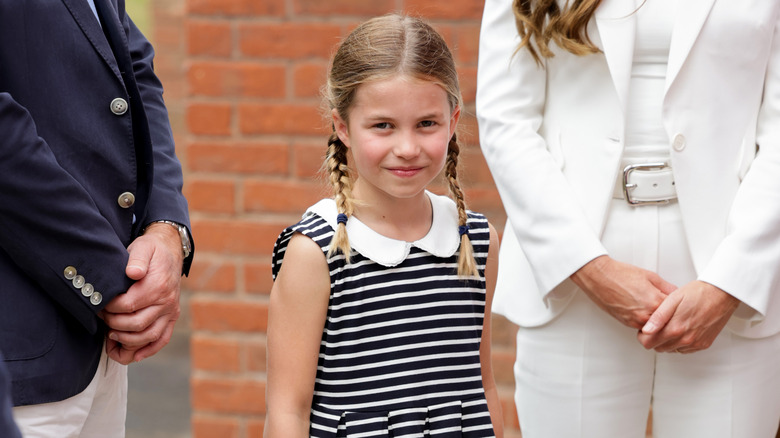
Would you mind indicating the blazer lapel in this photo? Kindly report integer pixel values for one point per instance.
(89, 24)
(691, 15)
(616, 24)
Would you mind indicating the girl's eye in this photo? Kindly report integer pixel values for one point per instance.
(427, 123)
(383, 125)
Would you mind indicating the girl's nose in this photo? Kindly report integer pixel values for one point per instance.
(406, 147)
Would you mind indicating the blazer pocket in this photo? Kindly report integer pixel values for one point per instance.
(28, 318)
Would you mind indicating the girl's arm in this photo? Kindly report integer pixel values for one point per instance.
(296, 318)
(488, 382)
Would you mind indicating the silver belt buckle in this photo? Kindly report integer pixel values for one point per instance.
(627, 186)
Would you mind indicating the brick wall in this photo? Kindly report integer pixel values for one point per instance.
(243, 86)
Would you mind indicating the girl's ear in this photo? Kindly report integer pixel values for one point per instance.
(454, 120)
(340, 126)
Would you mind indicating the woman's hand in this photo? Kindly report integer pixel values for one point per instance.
(628, 293)
(688, 320)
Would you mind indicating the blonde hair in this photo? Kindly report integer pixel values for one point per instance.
(543, 21)
(381, 48)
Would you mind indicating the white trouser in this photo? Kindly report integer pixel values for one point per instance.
(586, 375)
(97, 412)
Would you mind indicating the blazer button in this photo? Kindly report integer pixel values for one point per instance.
(96, 298)
(126, 200)
(78, 281)
(119, 106)
(678, 143)
(87, 290)
(70, 273)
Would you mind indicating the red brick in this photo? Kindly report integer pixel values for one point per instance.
(343, 7)
(473, 171)
(243, 158)
(468, 127)
(308, 78)
(257, 277)
(209, 118)
(236, 237)
(309, 157)
(503, 366)
(228, 395)
(210, 427)
(256, 356)
(466, 46)
(228, 315)
(236, 79)
(237, 7)
(467, 78)
(211, 276)
(215, 354)
(503, 332)
(211, 196)
(209, 38)
(254, 428)
(445, 9)
(281, 196)
(293, 40)
(281, 119)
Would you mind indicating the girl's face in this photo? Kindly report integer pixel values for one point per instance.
(398, 132)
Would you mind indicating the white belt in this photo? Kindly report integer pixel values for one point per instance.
(646, 183)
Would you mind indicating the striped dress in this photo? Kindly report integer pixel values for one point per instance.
(399, 355)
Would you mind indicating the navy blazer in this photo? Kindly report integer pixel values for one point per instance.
(8, 428)
(86, 161)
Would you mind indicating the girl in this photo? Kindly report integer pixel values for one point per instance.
(636, 147)
(385, 267)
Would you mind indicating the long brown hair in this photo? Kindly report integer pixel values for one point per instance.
(541, 21)
(378, 49)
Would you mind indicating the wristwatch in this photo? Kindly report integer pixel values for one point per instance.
(186, 246)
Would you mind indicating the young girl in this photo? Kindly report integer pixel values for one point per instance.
(400, 279)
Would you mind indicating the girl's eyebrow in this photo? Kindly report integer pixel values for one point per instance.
(380, 116)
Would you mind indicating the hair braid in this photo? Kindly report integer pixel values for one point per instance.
(341, 181)
(467, 265)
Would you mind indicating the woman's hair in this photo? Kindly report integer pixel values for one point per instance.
(543, 21)
(382, 48)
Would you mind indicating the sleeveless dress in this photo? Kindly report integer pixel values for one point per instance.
(399, 355)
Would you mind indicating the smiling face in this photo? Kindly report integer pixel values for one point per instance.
(398, 130)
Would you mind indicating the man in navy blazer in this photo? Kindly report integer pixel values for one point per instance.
(94, 229)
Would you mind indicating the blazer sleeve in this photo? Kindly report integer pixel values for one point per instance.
(550, 226)
(166, 201)
(48, 221)
(746, 263)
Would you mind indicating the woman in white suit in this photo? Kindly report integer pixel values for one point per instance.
(636, 148)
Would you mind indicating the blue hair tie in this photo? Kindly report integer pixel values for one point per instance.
(463, 229)
(341, 219)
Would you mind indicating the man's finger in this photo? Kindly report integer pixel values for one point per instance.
(141, 253)
(154, 347)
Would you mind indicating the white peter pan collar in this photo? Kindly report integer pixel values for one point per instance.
(442, 239)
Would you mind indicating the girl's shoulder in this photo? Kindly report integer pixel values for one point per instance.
(316, 224)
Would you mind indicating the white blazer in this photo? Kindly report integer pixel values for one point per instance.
(553, 138)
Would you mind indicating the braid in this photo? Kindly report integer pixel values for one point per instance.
(467, 265)
(341, 180)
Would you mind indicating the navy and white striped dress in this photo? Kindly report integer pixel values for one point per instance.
(400, 349)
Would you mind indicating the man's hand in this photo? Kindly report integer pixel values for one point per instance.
(141, 320)
(628, 293)
(689, 319)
